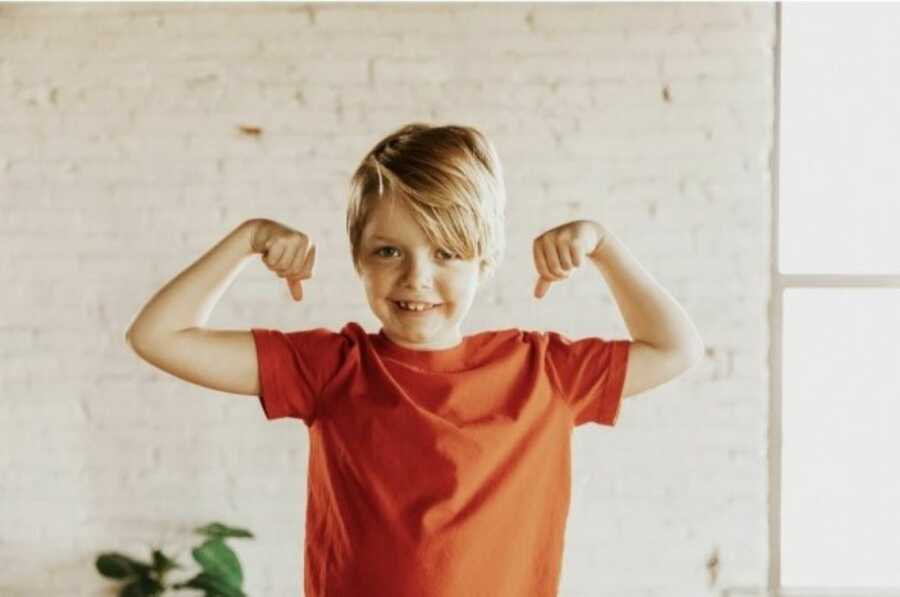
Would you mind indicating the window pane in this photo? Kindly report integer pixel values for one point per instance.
(841, 445)
(839, 179)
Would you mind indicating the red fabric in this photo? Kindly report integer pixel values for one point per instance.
(438, 473)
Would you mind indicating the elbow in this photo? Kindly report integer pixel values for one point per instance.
(133, 340)
(686, 355)
(131, 343)
(135, 333)
(691, 355)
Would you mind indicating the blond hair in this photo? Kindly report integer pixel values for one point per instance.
(451, 180)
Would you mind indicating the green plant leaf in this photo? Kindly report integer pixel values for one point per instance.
(142, 587)
(116, 565)
(220, 561)
(218, 530)
(162, 563)
(214, 586)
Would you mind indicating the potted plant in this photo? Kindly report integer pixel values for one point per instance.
(220, 576)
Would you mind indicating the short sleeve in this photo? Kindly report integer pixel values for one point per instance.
(590, 375)
(293, 370)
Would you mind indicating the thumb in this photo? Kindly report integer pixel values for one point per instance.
(541, 287)
(296, 288)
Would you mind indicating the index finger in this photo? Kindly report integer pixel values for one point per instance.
(310, 261)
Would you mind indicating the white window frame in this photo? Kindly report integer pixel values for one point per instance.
(779, 284)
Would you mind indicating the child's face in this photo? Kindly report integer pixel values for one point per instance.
(407, 267)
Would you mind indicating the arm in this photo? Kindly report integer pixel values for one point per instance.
(666, 341)
(167, 331)
(188, 299)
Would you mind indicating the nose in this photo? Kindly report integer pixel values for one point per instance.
(418, 273)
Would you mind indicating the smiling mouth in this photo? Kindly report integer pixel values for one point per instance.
(400, 308)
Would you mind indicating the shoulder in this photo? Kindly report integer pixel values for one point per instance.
(320, 338)
(495, 336)
(556, 344)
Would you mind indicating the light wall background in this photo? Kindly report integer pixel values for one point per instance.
(122, 160)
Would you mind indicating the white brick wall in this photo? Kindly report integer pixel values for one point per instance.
(121, 162)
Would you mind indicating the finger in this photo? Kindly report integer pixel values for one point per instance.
(541, 288)
(551, 256)
(294, 284)
(295, 268)
(310, 263)
(575, 252)
(540, 263)
(563, 249)
(267, 253)
(543, 281)
(287, 255)
(273, 255)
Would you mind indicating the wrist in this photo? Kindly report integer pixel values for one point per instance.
(249, 229)
(599, 250)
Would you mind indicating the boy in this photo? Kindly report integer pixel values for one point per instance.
(439, 464)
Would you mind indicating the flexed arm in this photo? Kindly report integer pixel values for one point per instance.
(666, 340)
(169, 331)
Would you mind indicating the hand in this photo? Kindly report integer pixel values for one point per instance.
(285, 251)
(559, 250)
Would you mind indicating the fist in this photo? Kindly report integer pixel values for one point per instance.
(559, 250)
(287, 252)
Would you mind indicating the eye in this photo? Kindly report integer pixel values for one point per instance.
(379, 251)
(449, 255)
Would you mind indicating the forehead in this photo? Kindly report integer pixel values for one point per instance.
(391, 220)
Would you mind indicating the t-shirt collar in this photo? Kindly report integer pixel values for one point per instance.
(442, 359)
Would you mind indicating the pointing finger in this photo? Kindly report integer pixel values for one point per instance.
(541, 288)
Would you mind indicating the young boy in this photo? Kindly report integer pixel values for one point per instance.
(439, 464)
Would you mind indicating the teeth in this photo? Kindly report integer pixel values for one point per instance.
(415, 306)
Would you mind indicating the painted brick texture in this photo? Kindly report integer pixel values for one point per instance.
(122, 160)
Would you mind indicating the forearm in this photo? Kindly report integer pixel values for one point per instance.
(188, 299)
(651, 314)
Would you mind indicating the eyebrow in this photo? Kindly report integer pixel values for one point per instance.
(378, 237)
(385, 238)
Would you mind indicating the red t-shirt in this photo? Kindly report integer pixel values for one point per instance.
(437, 473)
